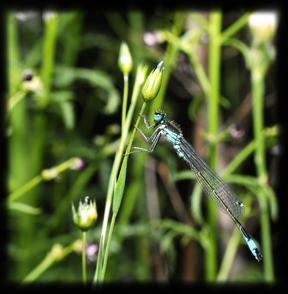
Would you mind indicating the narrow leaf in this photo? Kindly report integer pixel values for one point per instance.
(120, 186)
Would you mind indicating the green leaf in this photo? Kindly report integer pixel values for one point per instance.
(184, 175)
(120, 186)
(61, 96)
(67, 114)
(24, 208)
(97, 79)
(225, 102)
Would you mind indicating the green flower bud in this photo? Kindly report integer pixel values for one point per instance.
(152, 84)
(86, 216)
(142, 73)
(125, 60)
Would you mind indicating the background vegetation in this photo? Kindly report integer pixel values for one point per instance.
(65, 98)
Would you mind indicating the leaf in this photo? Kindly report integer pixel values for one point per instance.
(24, 208)
(61, 96)
(184, 175)
(225, 102)
(97, 79)
(68, 114)
(119, 190)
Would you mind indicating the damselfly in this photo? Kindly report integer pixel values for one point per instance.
(214, 187)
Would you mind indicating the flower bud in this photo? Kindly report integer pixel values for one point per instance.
(125, 60)
(263, 26)
(152, 84)
(142, 73)
(32, 85)
(86, 216)
(49, 174)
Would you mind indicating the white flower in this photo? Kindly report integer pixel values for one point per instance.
(263, 25)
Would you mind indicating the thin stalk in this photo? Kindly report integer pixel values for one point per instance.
(228, 258)
(169, 62)
(49, 48)
(24, 189)
(118, 157)
(45, 175)
(201, 75)
(235, 27)
(213, 115)
(115, 214)
(136, 125)
(124, 105)
(84, 235)
(56, 254)
(260, 162)
(108, 246)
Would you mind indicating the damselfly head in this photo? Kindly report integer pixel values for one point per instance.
(159, 115)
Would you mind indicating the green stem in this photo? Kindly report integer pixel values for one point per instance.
(49, 47)
(84, 235)
(228, 258)
(237, 161)
(213, 115)
(258, 124)
(115, 214)
(136, 125)
(235, 27)
(56, 254)
(118, 157)
(201, 75)
(169, 61)
(108, 246)
(124, 106)
(39, 178)
(24, 189)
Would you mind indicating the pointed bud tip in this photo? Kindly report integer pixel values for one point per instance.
(152, 84)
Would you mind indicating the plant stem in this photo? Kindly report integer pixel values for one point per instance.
(169, 61)
(24, 189)
(235, 27)
(228, 258)
(39, 178)
(56, 254)
(118, 157)
(258, 125)
(49, 45)
(124, 106)
(115, 214)
(108, 246)
(213, 115)
(84, 235)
